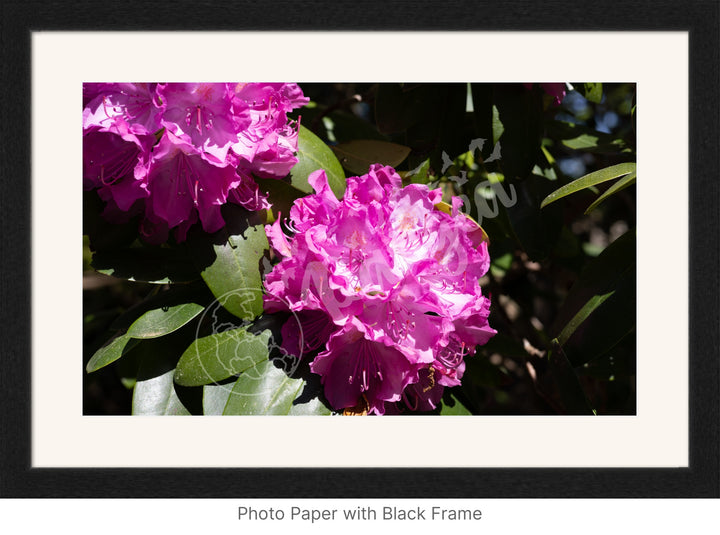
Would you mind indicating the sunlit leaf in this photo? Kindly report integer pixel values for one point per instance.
(155, 392)
(162, 321)
(215, 397)
(626, 181)
(110, 353)
(156, 396)
(216, 357)
(312, 155)
(267, 390)
(452, 407)
(591, 179)
(230, 261)
(593, 92)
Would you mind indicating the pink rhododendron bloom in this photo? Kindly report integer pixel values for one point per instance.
(268, 143)
(132, 105)
(178, 152)
(203, 117)
(387, 287)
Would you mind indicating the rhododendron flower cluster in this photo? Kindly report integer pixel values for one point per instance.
(385, 286)
(176, 152)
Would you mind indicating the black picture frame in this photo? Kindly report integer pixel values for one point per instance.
(18, 479)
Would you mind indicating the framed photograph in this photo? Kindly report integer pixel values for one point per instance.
(492, 243)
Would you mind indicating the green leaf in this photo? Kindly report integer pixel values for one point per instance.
(626, 181)
(357, 156)
(584, 138)
(452, 407)
(110, 353)
(154, 392)
(312, 155)
(156, 396)
(177, 294)
(162, 321)
(593, 92)
(230, 261)
(591, 179)
(216, 357)
(215, 397)
(419, 175)
(599, 310)
(156, 265)
(268, 390)
(588, 308)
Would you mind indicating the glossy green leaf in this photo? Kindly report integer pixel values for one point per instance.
(358, 155)
(215, 397)
(156, 396)
(230, 261)
(154, 392)
(267, 390)
(156, 265)
(312, 155)
(110, 353)
(591, 179)
(624, 182)
(163, 298)
(216, 357)
(162, 321)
